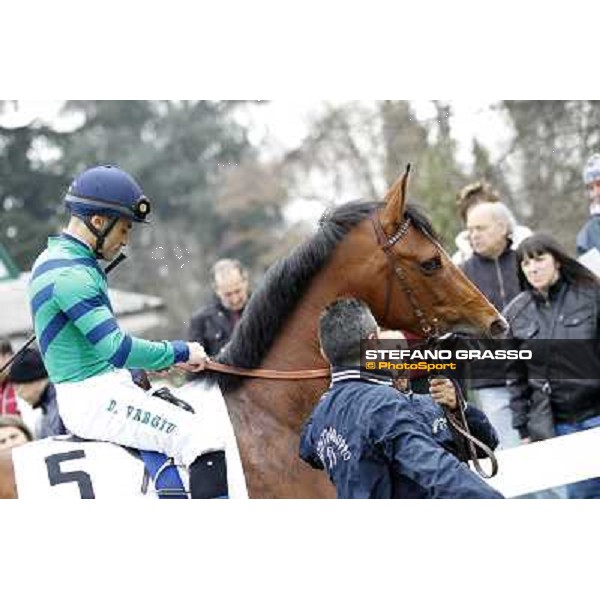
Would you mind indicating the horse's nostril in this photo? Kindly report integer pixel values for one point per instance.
(499, 328)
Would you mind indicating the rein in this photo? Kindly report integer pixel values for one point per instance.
(461, 427)
(458, 424)
(268, 373)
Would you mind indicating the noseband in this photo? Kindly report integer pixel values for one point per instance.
(429, 327)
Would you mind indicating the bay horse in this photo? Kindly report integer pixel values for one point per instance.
(386, 254)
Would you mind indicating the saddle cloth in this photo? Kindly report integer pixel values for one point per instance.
(65, 467)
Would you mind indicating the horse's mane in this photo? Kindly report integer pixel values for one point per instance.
(285, 283)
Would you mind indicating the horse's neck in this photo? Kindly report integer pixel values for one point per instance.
(297, 345)
(297, 348)
(268, 415)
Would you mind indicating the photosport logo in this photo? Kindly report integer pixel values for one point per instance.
(499, 359)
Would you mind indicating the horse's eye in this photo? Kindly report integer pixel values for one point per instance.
(431, 265)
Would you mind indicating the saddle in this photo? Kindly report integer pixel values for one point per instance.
(67, 466)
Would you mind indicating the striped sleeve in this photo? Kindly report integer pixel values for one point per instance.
(84, 301)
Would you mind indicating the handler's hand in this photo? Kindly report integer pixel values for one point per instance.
(443, 392)
(197, 360)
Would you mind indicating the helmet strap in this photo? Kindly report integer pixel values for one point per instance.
(100, 235)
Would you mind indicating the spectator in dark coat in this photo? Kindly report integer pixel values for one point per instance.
(556, 393)
(30, 378)
(493, 269)
(213, 325)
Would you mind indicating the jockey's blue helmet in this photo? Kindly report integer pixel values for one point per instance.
(109, 191)
(591, 171)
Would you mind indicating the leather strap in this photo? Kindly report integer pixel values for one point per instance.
(461, 426)
(428, 328)
(269, 373)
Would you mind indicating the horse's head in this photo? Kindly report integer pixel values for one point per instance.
(424, 291)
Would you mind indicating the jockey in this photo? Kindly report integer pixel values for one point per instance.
(86, 353)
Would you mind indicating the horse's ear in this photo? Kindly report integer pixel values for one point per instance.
(395, 199)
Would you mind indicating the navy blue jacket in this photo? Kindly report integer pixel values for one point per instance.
(375, 442)
(50, 423)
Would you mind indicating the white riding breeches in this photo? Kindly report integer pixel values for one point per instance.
(111, 408)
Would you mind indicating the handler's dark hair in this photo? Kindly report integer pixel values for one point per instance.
(342, 325)
(571, 269)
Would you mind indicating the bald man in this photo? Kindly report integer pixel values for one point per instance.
(493, 269)
(213, 325)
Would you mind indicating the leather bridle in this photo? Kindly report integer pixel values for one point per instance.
(429, 327)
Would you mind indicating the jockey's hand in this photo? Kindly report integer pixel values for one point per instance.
(197, 360)
(443, 392)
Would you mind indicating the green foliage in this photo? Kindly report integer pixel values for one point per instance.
(28, 191)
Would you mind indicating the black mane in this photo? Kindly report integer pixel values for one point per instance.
(286, 282)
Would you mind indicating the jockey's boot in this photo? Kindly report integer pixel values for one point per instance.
(208, 476)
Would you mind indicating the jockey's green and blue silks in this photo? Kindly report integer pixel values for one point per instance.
(74, 321)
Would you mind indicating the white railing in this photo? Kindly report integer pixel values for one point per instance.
(551, 463)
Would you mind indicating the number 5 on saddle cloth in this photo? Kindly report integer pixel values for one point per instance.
(68, 467)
